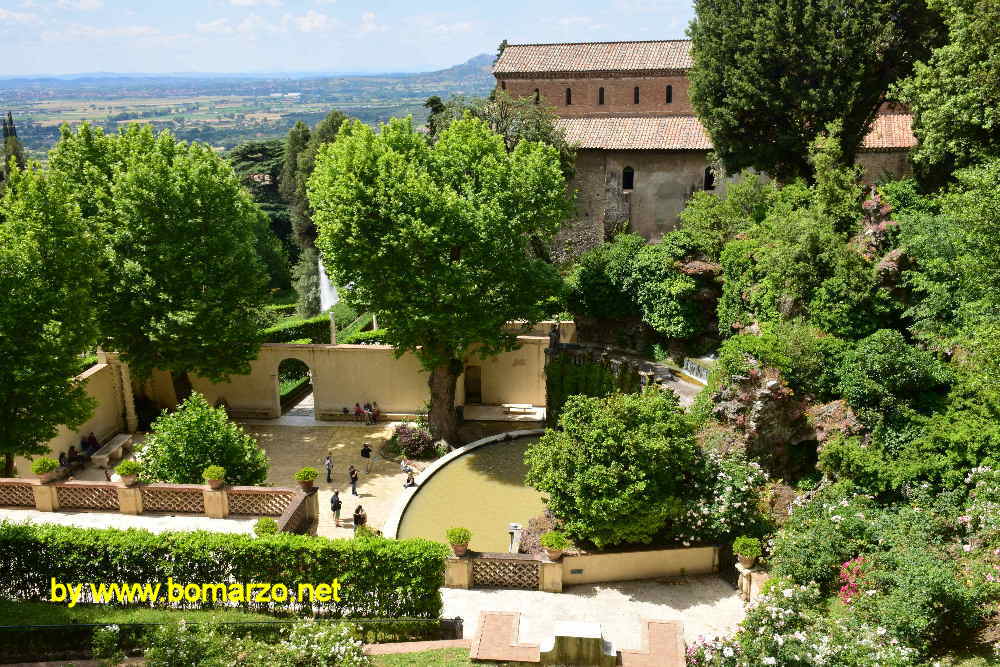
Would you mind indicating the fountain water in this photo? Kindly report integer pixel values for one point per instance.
(328, 296)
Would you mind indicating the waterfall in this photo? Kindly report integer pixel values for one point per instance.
(328, 297)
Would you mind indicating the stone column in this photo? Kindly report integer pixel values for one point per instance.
(457, 572)
(129, 500)
(550, 576)
(216, 503)
(46, 498)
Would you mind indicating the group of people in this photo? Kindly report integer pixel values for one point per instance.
(353, 476)
(88, 447)
(369, 412)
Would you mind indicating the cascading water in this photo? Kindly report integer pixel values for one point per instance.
(328, 296)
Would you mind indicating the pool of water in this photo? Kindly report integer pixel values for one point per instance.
(483, 491)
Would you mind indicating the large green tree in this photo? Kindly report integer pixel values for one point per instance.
(770, 75)
(955, 94)
(619, 468)
(435, 239)
(47, 269)
(184, 280)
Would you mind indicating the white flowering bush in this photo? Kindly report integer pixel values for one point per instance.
(982, 516)
(182, 645)
(787, 627)
(320, 643)
(722, 501)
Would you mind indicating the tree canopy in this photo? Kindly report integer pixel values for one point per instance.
(47, 319)
(435, 239)
(184, 279)
(770, 75)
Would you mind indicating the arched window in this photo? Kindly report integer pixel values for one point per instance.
(628, 178)
(537, 97)
(670, 94)
(709, 179)
(569, 96)
(600, 95)
(635, 94)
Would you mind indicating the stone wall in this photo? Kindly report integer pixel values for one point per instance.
(619, 94)
(879, 164)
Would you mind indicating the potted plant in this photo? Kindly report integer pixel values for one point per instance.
(214, 476)
(554, 543)
(305, 477)
(747, 549)
(129, 471)
(459, 538)
(47, 469)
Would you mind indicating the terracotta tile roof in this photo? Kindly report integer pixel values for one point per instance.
(664, 133)
(685, 133)
(890, 131)
(595, 57)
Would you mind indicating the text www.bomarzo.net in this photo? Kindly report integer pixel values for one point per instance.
(173, 592)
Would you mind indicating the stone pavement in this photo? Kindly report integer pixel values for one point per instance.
(292, 447)
(707, 606)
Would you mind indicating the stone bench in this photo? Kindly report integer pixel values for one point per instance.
(519, 409)
(112, 451)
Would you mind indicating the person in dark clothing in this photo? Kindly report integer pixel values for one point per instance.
(62, 459)
(360, 518)
(335, 506)
(409, 480)
(352, 472)
(328, 464)
(366, 454)
(92, 444)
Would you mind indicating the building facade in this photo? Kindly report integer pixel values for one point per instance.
(641, 151)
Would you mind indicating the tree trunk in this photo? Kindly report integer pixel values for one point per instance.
(182, 386)
(442, 417)
(8, 464)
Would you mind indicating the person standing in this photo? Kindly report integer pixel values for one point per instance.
(352, 472)
(335, 506)
(328, 464)
(360, 518)
(366, 454)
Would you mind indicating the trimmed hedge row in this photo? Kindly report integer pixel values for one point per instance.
(566, 375)
(375, 337)
(380, 578)
(316, 329)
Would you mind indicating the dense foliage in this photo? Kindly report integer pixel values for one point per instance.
(184, 278)
(185, 442)
(379, 577)
(566, 375)
(436, 239)
(47, 319)
(769, 77)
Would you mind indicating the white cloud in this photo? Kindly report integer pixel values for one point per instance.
(81, 5)
(370, 24)
(216, 27)
(584, 22)
(17, 17)
(255, 3)
(77, 31)
(312, 21)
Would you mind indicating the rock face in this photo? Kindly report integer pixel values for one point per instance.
(760, 413)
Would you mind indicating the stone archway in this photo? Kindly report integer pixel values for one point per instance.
(294, 385)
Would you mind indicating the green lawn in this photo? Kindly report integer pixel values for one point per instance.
(444, 657)
(50, 613)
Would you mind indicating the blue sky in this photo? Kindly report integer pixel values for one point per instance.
(73, 36)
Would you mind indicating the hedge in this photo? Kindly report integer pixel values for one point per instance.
(73, 642)
(380, 578)
(566, 375)
(316, 329)
(375, 337)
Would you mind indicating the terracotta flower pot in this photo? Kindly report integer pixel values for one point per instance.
(216, 483)
(747, 561)
(306, 484)
(130, 480)
(554, 554)
(459, 549)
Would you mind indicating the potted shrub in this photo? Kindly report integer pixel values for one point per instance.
(459, 538)
(214, 476)
(554, 544)
(47, 469)
(129, 471)
(265, 526)
(747, 549)
(305, 477)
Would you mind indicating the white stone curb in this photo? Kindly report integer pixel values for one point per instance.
(391, 526)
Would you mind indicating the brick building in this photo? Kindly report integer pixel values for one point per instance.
(641, 150)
